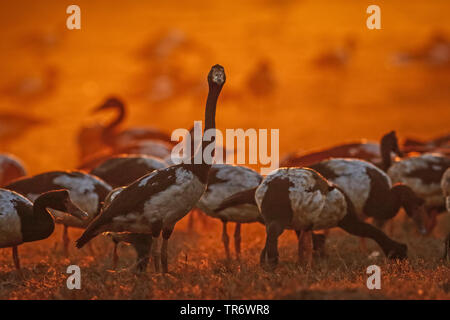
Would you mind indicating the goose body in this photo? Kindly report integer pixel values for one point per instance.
(86, 191)
(314, 203)
(150, 148)
(10, 220)
(423, 175)
(303, 200)
(369, 151)
(370, 190)
(125, 169)
(156, 201)
(223, 181)
(163, 196)
(22, 221)
(11, 168)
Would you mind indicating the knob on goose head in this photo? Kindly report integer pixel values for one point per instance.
(216, 77)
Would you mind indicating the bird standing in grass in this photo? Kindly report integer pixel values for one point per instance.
(157, 201)
(302, 200)
(22, 221)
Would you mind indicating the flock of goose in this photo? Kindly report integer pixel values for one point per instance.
(128, 188)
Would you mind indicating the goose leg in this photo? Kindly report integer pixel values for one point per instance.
(166, 235)
(15, 254)
(66, 240)
(273, 231)
(263, 256)
(142, 244)
(225, 239)
(156, 254)
(318, 241)
(237, 240)
(391, 248)
(305, 247)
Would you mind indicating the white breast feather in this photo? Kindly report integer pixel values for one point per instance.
(10, 225)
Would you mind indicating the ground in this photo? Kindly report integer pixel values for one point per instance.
(198, 269)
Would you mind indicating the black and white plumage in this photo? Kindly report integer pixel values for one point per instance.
(142, 243)
(86, 191)
(11, 168)
(224, 181)
(423, 175)
(22, 221)
(124, 169)
(303, 200)
(157, 201)
(372, 152)
(369, 151)
(371, 191)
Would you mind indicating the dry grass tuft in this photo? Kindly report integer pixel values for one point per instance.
(199, 270)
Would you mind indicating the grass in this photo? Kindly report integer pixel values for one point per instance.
(198, 269)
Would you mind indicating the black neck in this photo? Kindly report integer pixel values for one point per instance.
(120, 108)
(201, 170)
(385, 155)
(41, 225)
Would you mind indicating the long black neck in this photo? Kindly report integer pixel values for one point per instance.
(201, 170)
(41, 224)
(120, 116)
(386, 157)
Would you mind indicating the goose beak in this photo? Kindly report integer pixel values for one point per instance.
(75, 211)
